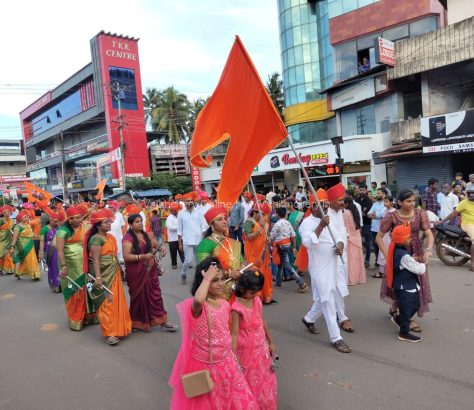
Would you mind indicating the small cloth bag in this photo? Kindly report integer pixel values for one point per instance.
(200, 382)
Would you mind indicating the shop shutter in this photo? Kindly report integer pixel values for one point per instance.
(415, 172)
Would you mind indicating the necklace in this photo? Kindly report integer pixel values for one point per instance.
(213, 302)
(227, 249)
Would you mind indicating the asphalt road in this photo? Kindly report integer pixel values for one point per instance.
(44, 365)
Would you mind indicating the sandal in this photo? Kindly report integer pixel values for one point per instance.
(112, 340)
(341, 346)
(346, 325)
(310, 326)
(415, 327)
(169, 327)
(393, 313)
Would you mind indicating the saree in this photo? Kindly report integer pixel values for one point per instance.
(227, 250)
(112, 310)
(25, 255)
(146, 303)
(256, 251)
(295, 219)
(51, 257)
(80, 311)
(6, 262)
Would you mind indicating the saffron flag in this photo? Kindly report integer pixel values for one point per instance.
(241, 110)
(100, 186)
(36, 194)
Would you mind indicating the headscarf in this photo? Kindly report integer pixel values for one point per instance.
(5, 208)
(336, 192)
(75, 210)
(400, 234)
(213, 213)
(101, 215)
(174, 206)
(57, 216)
(21, 215)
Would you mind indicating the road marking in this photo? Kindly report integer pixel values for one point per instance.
(47, 327)
(8, 296)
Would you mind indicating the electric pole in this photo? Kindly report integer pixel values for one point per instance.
(63, 168)
(119, 94)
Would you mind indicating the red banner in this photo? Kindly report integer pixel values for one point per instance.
(196, 178)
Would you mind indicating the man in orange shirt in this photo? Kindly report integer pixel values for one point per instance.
(35, 224)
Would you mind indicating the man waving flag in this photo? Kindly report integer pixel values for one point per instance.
(241, 110)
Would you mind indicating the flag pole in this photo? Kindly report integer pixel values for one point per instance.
(311, 188)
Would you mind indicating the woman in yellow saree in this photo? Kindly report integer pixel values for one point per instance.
(24, 256)
(6, 225)
(69, 243)
(112, 309)
(217, 243)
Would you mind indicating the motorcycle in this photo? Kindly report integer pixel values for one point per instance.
(453, 245)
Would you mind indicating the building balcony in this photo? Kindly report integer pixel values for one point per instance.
(405, 131)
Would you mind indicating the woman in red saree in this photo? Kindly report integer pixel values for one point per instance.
(256, 249)
(146, 303)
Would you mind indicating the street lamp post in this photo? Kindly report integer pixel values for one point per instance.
(337, 141)
(119, 94)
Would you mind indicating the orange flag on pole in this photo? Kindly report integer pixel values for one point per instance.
(241, 110)
(36, 194)
(100, 186)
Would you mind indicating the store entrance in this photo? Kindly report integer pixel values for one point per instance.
(463, 163)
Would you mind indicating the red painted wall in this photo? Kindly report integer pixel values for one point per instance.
(121, 52)
(382, 15)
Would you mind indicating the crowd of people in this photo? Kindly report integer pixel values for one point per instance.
(239, 253)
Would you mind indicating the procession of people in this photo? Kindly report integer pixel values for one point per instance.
(314, 240)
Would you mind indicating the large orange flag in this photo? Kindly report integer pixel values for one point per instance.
(100, 186)
(240, 109)
(36, 194)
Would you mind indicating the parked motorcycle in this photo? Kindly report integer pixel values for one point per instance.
(453, 245)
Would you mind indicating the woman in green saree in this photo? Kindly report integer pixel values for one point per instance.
(24, 255)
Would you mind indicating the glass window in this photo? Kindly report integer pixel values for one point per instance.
(308, 74)
(300, 74)
(292, 76)
(301, 93)
(289, 38)
(349, 5)
(125, 77)
(396, 33)
(314, 53)
(334, 8)
(304, 14)
(313, 33)
(305, 34)
(345, 59)
(358, 121)
(423, 26)
(297, 35)
(367, 42)
(291, 57)
(283, 42)
(295, 16)
(288, 19)
(306, 53)
(298, 55)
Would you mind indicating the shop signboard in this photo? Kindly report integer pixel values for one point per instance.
(452, 132)
(352, 94)
(285, 160)
(384, 51)
(196, 178)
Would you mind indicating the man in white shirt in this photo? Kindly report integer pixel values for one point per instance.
(204, 205)
(172, 228)
(328, 273)
(247, 204)
(299, 193)
(447, 200)
(190, 232)
(117, 228)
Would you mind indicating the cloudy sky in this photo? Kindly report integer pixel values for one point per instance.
(184, 43)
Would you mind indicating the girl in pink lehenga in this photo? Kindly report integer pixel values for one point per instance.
(355, 257)
(231, 391)
(418, 220)
(252, 342)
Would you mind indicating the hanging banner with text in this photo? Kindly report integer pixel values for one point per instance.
(196, 179)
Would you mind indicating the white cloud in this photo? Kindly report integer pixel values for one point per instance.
(184, 43)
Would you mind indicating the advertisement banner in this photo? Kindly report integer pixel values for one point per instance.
(452, 132)
(196, 178)
(352, 94)
(384, 51)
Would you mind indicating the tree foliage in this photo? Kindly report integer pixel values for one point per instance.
(274, 87)
(163, 180)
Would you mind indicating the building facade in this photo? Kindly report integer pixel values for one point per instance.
(72, 133)
(12, 169)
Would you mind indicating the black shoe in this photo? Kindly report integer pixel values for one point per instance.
(408, 337)
(367, 264)
(278, 285)
(183, 280)
(310, 326)
(272, 302)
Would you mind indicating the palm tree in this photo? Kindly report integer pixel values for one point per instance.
(151, 99)
(196, 108)
(169, 112)
(274, 87)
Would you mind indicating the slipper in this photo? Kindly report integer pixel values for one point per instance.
(341, 346)
(169, 327)
(415, 328)
(346, 325)
(112, 340)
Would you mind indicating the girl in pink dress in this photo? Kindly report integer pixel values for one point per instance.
(231, 391)
(355, 257)
(388, 203)
(252, 342)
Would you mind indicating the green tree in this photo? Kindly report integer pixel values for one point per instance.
(151, 100)
(196, 108)
(169, 112)
(274, 87)
(175, 184)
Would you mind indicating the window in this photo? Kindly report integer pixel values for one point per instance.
(396, 33)
(358, 121)
(423, 26)
(125, 77)
(346, 64)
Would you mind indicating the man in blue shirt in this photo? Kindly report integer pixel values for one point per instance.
(236, 221)
(376, 214)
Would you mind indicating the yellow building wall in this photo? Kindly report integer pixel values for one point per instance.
(307, 112)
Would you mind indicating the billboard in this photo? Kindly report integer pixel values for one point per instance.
(384, 51)
(352, 94)
(452, 132)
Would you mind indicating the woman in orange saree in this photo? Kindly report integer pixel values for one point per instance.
(6, 224)
(257, 251)
(217, 243)
(101, 258)
(69, 244)
(25, 255)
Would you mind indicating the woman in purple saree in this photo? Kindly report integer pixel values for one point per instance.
(141, 271)
(48, 252)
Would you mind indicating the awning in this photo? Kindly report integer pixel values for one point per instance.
(397, 152)
(152, 193)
